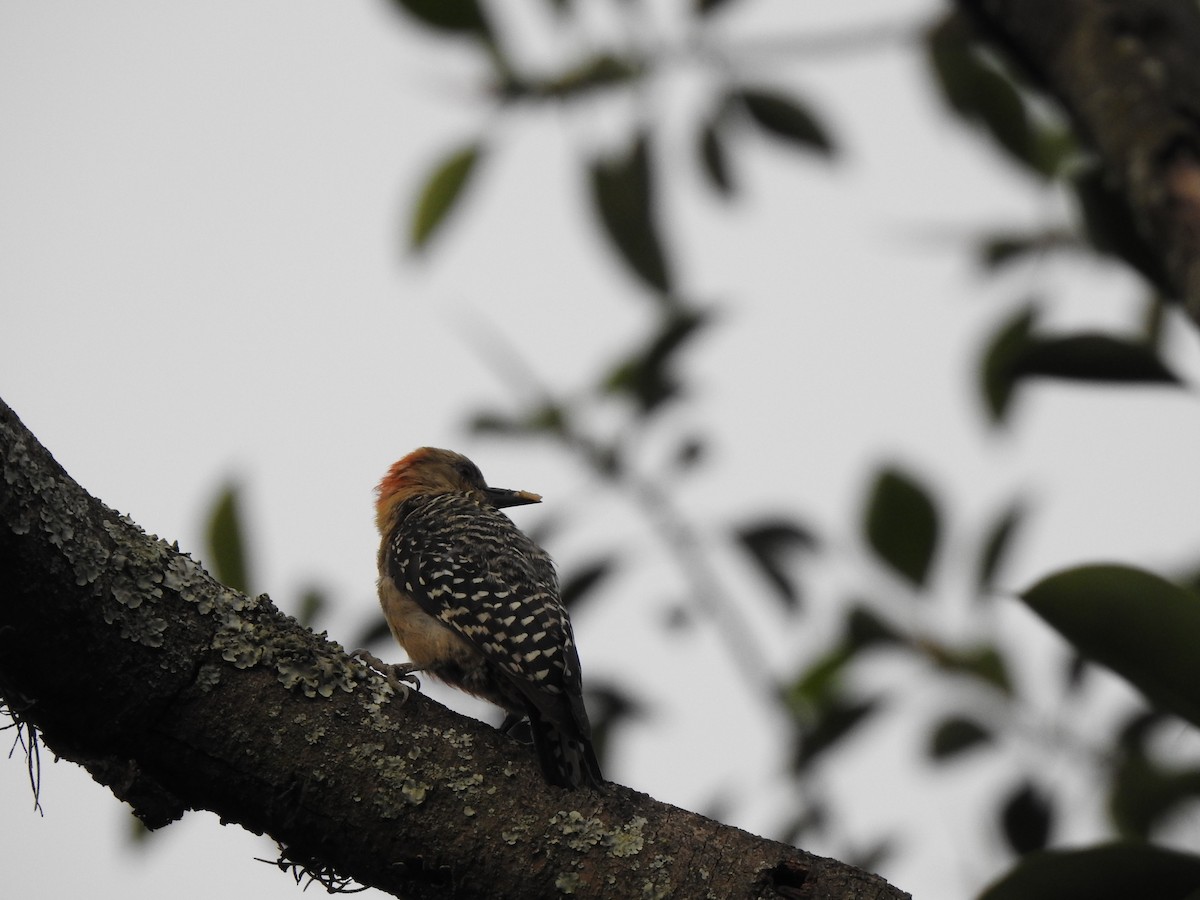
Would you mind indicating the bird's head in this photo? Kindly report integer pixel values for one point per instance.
(429, 470)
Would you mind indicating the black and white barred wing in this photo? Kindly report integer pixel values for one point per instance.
(477, 573)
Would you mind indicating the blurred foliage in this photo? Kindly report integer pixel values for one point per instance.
(441, 192)
(1140, 625)
(955, 735)
(976, 87)
(772, 544)
(785, 118)
(460, 17)
(623, 192)
(1136, 623)
(902, 525)
(227, 556)
(996, 546)
(1026, 817)
(1109, 872)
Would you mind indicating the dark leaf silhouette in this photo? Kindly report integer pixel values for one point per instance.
(773, 545)
(901, 524)
(623, 196)
(226, 541)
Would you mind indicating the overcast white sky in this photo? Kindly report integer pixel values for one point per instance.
(200, 274)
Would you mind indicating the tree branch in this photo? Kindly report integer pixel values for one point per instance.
(178, 693)
(1126, 72)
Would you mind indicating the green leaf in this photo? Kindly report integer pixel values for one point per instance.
(954, 736)
(773, 544)
(996, 546)
(1141, 626)
(836, 721)
(443, 188)
(785, 118)
(1092, 357)
(1055, 149)
(983, 95)
(623, 197)
(708, 7)
(1026, 819)
(1135, 733)
(1145, 794)
(1000, 249)
(715, 162)
(983, 663)
(998, 367)
(646, 376)
(595, 73)
(819, 684)
(1016, 353)
(226, 542)
(489, 422)
(901, 524)
(864, 628)
(455, 16)
(1075, 672)
(1107, 872)
(545, 418)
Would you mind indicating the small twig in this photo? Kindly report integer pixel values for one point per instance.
(32, 751)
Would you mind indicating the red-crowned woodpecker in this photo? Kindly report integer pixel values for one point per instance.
(475, 603)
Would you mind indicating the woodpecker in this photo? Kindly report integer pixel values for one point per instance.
(475, 603)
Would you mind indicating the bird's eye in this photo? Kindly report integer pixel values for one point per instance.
(469, 471)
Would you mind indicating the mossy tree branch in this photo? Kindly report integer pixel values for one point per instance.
(178, 693)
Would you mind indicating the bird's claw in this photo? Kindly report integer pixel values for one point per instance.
(517, 727)
(401, 677)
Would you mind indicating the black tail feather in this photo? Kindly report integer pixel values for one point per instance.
(567, 760)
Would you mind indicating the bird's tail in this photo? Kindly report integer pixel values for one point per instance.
(567, 760)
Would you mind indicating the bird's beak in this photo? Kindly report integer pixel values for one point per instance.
(502, 497)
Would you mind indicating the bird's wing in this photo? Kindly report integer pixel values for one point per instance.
(469, 567)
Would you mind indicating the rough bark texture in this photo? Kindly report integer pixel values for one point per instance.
(1128, 72)
(178, 693)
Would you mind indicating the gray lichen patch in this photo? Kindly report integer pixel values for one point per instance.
(93, 547)
(578, 832)
(567, 882)
(515, 834)
(466, 782)
(398, 787)
(627, 840)
(581, 833)
(254, 633)
(414, 791)
(658, 887)
(40, 498)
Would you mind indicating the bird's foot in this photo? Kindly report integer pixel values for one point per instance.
(401, 677)
(517, 727)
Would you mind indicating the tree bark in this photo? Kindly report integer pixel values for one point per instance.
(1127, 72)
(179, 693)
